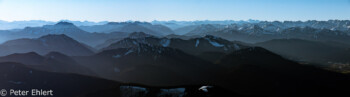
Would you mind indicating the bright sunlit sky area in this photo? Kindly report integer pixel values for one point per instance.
(182, 10)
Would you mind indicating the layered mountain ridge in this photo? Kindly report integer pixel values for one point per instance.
(180, 59)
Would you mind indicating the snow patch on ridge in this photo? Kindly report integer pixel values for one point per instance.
(216, 44)
(129, 51)
(165, 42)
(197, 43)
(117, 56)
(205, 88)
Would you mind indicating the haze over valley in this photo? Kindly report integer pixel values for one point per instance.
(230, 55)
(168, 48)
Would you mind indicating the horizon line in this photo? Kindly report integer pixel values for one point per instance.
(174, 20)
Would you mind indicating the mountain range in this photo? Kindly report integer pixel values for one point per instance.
(179, 58)
(156, 30)
(309, 51)
(45, 44)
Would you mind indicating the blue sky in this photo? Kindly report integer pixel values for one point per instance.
(184, 10)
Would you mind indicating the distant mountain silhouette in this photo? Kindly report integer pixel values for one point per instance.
(186, 29)
(59, 28)
(6, 25)
(180, 58)
(179, 24)
(309, 51)
(332, 30)
(156, 30)
(203, 29)
(308, 33)
(66, 28)
(45, 44)
(133, 35)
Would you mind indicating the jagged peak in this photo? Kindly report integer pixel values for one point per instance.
(64, 23)
(61, 25)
